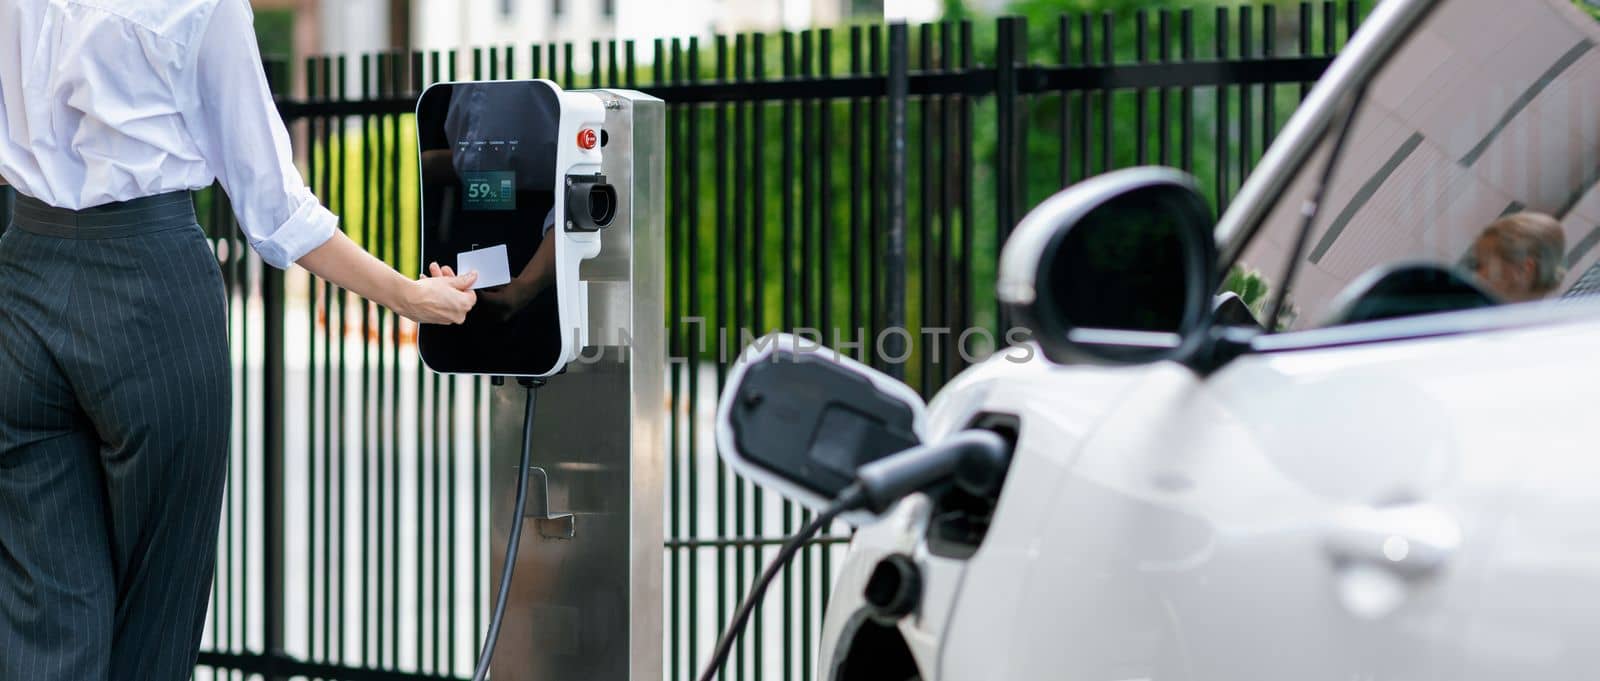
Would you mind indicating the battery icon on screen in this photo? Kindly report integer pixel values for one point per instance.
(505, 188)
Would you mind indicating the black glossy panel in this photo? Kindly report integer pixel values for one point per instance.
(488, 179)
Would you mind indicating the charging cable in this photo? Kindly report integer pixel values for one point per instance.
(851, 498)
(515, 541)
(977, 455)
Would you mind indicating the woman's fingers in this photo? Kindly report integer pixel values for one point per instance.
(464, 304)
(445, 299)
(433, 270)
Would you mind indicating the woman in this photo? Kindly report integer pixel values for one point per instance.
(114, 369)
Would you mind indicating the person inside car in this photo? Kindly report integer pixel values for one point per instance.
(1519, 257)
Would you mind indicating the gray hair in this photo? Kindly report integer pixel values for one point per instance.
(1532, 235)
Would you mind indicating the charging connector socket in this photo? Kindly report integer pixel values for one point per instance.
(591, 203)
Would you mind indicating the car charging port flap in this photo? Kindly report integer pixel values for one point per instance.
(591, 203)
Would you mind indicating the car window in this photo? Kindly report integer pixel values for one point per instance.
(1468, 179)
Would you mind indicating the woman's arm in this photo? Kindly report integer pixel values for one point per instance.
(236, 125)
(445, 298)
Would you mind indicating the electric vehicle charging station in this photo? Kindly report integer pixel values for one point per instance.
(557, 200)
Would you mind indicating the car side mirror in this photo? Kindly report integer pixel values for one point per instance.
(800, 419)
(1117, 269)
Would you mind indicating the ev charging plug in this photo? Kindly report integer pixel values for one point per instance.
(973, 453)
(972, 457)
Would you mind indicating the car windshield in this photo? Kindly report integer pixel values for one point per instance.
(1476, 152)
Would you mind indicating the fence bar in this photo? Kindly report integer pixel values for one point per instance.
(1142, 51)
(692, 265)
(895, 258)
(789, 294)
(1186, 100)
(1064, 95)
(857, 255)
(273, 404)
(1221, 166)
(824, 198)
(877, 209)
(925, 210)
(1305, 41)
(1269, 92)
(1330, 26)
(1107, 94)
(968, 227)
(720, 311)
(1246, 51)
(741, 322)
(396, 85)
(946, 190)
(1011, 31)
(1163, 114)
(313, 179)
(758, 164)
(1085, 58)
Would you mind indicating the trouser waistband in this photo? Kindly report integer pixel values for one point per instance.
(113, 220)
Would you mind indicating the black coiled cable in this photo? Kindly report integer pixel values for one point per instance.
(513, 543)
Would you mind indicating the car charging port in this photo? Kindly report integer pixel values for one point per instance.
(963, 510)
(893, 589)
(591, 203)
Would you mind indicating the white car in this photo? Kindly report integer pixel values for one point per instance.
(1393, 474)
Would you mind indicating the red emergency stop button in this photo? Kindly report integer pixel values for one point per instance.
(587, 138)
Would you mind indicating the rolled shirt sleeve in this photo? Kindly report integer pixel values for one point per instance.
(236, 125)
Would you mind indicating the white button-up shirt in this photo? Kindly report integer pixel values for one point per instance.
(111, 100)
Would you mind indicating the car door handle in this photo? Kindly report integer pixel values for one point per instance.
(1410, 540)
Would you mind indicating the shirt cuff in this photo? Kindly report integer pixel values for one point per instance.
(310, 226)
(549, 222)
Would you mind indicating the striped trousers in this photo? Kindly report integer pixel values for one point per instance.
(114, 426)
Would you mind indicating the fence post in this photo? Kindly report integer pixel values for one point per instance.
(272, 441)
(1011, 47)
(895, 258)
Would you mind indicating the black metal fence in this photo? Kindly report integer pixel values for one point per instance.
(856, 181)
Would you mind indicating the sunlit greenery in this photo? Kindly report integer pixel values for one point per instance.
(377, 207)
(375, 196)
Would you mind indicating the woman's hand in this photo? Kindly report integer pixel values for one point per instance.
(440, 297)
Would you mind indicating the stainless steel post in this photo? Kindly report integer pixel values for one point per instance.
(586, 601)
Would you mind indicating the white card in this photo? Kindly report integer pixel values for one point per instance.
(491, 264)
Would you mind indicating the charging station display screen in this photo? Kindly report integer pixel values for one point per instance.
(489, 190)
(488, 155)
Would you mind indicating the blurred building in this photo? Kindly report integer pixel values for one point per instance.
(441, 24)
(297, 28)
